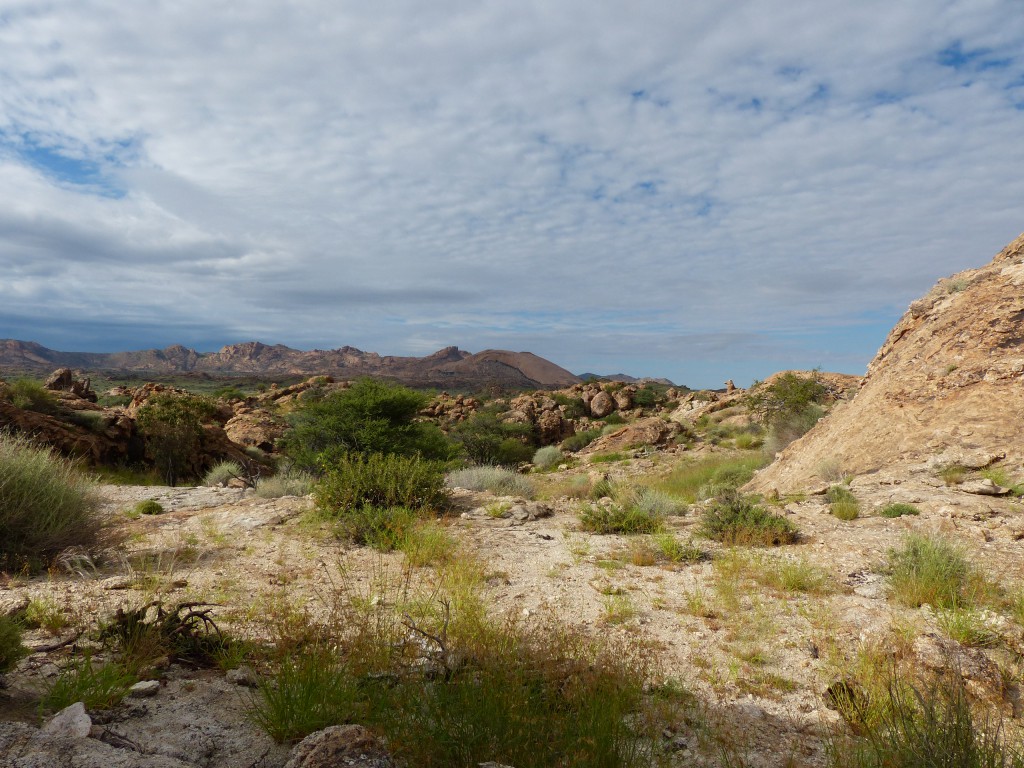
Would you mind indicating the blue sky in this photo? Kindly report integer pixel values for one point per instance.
(698, 190)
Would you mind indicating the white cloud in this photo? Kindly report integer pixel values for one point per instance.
(583, 177)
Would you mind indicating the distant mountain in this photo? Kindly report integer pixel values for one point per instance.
(625, 378)
(450, 367)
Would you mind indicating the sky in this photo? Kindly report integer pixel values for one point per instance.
(694, 190)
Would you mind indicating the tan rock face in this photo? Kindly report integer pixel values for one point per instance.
(949, 379)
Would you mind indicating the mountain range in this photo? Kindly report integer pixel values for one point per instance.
(448, 368)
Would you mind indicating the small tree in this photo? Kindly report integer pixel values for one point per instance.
(172, 426)
(370, 417)
(788, 407)
(786, 397)
(487, 439)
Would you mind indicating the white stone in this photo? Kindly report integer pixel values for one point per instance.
(70, 721)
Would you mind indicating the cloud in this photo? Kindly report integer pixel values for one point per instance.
(599, 184)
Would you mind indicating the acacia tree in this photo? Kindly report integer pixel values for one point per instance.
(370, 417)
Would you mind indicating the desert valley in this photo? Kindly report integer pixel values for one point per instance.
(336, 558)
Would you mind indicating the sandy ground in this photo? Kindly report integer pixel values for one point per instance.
(759, 657)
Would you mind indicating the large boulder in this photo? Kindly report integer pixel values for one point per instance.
(948, 382)
(652, 431)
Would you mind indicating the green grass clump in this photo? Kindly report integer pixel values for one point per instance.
(607, 458)
(931, 570)
(1001, 477)
(922, 726)
(614, 518)
(31, 395)
(547, 457)
(899, 510)
(45, 506)
(693, 482)
(788, 575)
(148, 507)
(734, 519)
(11, 648)
(655, 502)
(307, 693)
(842, 503)
(445, 685)
(967, 626)
(95, 684)
(427, 543)
(222, 473)
(500, 481)
(953, 474)
(675, 550)
(383, 528)
(288, 482)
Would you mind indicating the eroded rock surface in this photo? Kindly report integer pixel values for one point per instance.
(950, 377)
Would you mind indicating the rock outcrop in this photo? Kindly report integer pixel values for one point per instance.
(948, 382)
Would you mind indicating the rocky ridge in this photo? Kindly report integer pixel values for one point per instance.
(447, 368)
(947, 387)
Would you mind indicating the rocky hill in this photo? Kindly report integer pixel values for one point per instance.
(447, 368)
(947, 387)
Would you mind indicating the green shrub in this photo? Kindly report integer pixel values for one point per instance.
(735, 519)
(172, 426)
(572, 407)
(369, 417)
(603, 488)
(288, 482)
(379, 480)
(229, 393)
(498, 480)
(647, 397)
(486, 439)
(842, 503)
(148, 507)
(547, 457)
(222, 473)
(580, 440)
(45, 506)
(11, 648)
(613, 518)
(899, 510)
(931, 570)
(30, 395)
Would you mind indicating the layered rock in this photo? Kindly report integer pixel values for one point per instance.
(947, 383)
